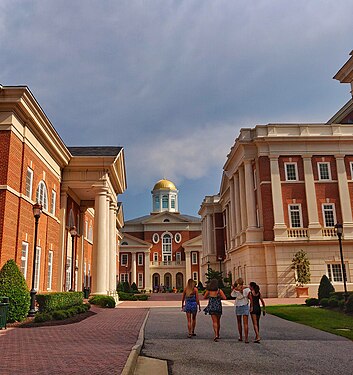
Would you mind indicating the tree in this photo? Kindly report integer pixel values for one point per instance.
(213, 274)
(134, 288)
(325, 288)
(301, 265)
(13, 285)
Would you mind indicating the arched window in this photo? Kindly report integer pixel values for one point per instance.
(167, 248)
(42, 195)
(124, 243)
(165, 201)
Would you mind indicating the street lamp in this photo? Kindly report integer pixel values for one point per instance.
(220, 258)
(339, 232)
(208, 266)
(73, 233)
(37, 210)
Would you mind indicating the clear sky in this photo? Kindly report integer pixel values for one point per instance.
(174, 81)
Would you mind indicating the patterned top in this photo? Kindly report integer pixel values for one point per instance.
(191, 304)
(214, 306)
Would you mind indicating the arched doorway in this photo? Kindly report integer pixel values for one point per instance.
(156, 281)
(179, 280)
(168, 280)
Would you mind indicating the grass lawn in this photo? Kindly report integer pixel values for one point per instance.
(334, 322)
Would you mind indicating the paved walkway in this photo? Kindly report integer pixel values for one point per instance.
(286, 348)
(99, 344)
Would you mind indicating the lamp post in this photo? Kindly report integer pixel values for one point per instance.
(208, 266)
(339, 232)
(73, 233)
(37, 210)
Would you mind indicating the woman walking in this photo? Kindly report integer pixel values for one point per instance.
(189, 305)
(241, 294)
(214, 307)
(255, 308)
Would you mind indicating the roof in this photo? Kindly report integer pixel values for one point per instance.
(164, 184)
(95, 151)
(140, 219)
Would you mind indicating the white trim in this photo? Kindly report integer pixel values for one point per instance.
(329, 273)
(30, 171)
(295, 168)
(50, 269)
(323, 213)
(351, 169)
(300, 215)
(177, 237)
(155, 238)
(194, 257)
(140, 257)
(328, 168)
(37, 269)
(140, 282)
(42, 195)
(25, 259)
(53, 202)
(122, 263)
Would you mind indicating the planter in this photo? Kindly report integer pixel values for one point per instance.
(302, 291)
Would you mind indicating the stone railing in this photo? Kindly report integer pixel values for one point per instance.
(328, 232)
(297, 232)
(168, 264)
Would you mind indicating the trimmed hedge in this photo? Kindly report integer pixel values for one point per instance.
(102, 301)
(339, 295)
(325, 288)
(349, 305)
(13, 285)
(132, 297)
(333, 302)
(58, 301)
(324, 302)
(62, 314)
(312, 302)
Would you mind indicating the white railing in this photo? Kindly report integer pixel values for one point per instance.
(328, 232)
(168, 263)
(297, 232)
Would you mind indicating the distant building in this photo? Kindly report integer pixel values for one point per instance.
(77, 187)
(164, 249)
(284, 187)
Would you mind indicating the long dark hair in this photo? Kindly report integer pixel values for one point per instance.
(254, 286)
(212, 286)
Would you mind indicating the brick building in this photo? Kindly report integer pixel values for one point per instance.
(163, 248)
(284, 187)
(77, 187)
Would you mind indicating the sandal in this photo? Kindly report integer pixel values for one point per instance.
(257, 341)
(246, 341)
(240, 339)
(193, 334)
(189, 336)
(215, 339)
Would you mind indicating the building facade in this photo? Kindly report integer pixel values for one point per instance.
(283, 189)
(164, 249)
(79, 228)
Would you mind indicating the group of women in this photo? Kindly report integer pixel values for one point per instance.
(247, 302)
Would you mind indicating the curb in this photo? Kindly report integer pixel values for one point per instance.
(131, 362)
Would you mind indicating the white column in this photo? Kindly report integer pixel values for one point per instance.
(187, 266)
(232, 216)
(99, 261)
(211, 249)
(250, 194)
(80, 252)
(242, 196)
(133, 269)
(112, 246)
(311, 201)
(148, 283)
(345, 199)
(237, 205)
(107, 248)
(62, 242)
(280, 228)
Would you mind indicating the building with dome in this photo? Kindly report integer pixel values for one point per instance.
(161, 250)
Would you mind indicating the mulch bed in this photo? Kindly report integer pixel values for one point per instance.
(29, 322)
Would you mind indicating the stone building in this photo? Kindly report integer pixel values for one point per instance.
(163, 248)
(283, 189)
(77, 188)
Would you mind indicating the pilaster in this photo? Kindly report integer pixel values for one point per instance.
(62, 239)
(112, 246)
(148, 283)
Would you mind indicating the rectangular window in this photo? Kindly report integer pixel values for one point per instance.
(291, 171)
(324, 171)
(172, 202)
(328, 210)
(140, 259)
(124, 259)
(178, 258)
(334, 272)
(165, 201)
(124, 277)
(84, 274)
(156, 202)
(295, 216)
(140, 280)
(194, 258)
(155, 257)
(86, 229)
(53, 202)
(195, 276)
(37, 269)
(89, 276)
(24, 259)
(29, 182)
(50, 269)
(68, 274)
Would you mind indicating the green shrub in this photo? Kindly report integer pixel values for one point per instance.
(338, 295)
(349, 305)
(102, 301)
(126, 287)
(333, 302)
(312, 302)
(60, 315)
(227, 290)
(134, 288)
(59, 301)
(325, 288)
(43, 317)
(128, 296)
(142, 297)
(324, 302)
(341, 304)
(200, 286)
(13, 285)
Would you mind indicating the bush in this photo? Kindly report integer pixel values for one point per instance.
(349, 305)
(59, 301)
(301, 265)
(60, 315)
(200, 286)
(227, 290)
(338, 295)
(125, 287)
(341, 304)
(325, 288)
(13, 285)
(324, 302)
(128, 296)
(102, 301)
(134, 288)
(43, 317)
(333, 302)
(312, 302)
(142, 297)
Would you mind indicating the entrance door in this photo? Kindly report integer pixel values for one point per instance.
(179, 281)
(156, 281)
(168, 280)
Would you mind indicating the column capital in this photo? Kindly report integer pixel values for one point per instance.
(273, 157)
(339, 157)
(247, 161)
(307, 156)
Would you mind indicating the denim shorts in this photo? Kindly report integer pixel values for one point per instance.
(242, 310)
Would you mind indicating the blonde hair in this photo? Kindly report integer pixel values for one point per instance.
(189, 290)
(239, 281)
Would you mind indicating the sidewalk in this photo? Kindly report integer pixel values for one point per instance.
(99, 344)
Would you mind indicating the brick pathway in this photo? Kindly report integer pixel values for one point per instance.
(99, 344)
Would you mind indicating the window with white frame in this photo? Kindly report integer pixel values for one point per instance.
(334, 272)
(178, 258)
(155, 257)
(124, 259)
(172, 201)
(140, 259)
(50, 270)
(167, 247)
(124, 277)
(89, 276)
(165, 201)
(53, 202)
(295, 215)
(24, 259)
(68, 273)
(324, 171)
(328, 210)
(90, 233)
(291, 170)
(84, 274)
(29, 182)
(37, 269)
(42, 195)
(195, 276)
(86, 229)
(140, 280)
(194, 258)
(156, 202)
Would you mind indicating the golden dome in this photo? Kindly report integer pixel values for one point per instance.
(164, 184)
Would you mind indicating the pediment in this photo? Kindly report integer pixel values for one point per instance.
(133, 241)
(163, 216)
(344, 115)
(194, 242)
